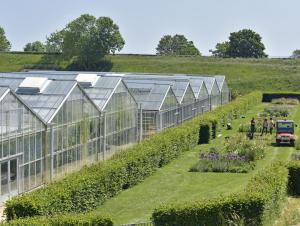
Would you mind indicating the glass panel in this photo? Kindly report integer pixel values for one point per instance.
(13, 175)
(4, 178)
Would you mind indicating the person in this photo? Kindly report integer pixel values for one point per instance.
(265, 127)
(252, 128)
(271, 125)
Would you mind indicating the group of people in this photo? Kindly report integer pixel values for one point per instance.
(268, 126)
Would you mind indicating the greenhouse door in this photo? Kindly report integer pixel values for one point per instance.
(9, 178)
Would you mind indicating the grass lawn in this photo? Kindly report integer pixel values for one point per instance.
(174, 182)
(243, 75)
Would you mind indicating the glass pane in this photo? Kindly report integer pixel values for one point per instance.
(13, 175)
(4, 178)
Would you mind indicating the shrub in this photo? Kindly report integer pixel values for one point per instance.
(277, 111)
(294, 177)
(91, 219)
(268, 97)
(258, 204)
(285, 101)
(91, 186)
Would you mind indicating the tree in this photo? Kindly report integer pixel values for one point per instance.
(4, 43)
(244, 43)
(87, 39)
(36, 46)
(221, 50)
(54, 43)
(296, 53)
(176, 45)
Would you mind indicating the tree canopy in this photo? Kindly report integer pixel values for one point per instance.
(296, 53)
(88, 39)
(244, 43)
(176, 45)
(36, 46)
(4, 43)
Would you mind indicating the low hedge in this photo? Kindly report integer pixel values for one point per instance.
(268, 97)
(90, 219)
(258, 204)
(294, 178)
(91, 186)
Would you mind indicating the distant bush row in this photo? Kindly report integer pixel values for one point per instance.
(268, 97)
(258, 204)
(91, 186)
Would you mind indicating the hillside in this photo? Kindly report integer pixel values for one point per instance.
(244, 75)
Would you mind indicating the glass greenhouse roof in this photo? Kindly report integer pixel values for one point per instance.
(3, 92)
(100, 92)
(220, 81)
(150, 94)
(179, 86)
(44, 104)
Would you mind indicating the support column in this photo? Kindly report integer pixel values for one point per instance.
(141, 123)
(51, 152)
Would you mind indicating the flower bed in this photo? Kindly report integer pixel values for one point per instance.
(238, 156)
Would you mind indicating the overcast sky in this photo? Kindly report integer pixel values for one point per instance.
(142, 23)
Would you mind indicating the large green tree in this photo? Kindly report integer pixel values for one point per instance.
(4, 43)
(296, 53)
(87, 39)
(36, 46)
(176, 45)
(244, 43)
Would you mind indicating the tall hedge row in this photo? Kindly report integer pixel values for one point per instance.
(90, 219)
(91, 186)
(294, 177)
(258, 204)
(268, 97)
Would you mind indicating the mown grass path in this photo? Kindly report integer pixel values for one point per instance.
(175, 183)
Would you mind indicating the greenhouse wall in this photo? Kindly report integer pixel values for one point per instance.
(74, 138)
(21, 147)
(120, 121)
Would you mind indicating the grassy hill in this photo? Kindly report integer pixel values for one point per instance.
(244, 75)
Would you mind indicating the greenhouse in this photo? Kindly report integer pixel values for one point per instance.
(72, 137)
(223, 86)
(201, 93)
(22, 134)
(113, 100)
(213, 91)
(181, 88)
(159, 106)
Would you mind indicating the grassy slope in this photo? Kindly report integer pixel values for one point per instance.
(174, 183)
(243, 75)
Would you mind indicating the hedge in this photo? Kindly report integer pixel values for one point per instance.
(91, 186)
(258, 204)
(91, 219)
(294, 177)
(268, 97)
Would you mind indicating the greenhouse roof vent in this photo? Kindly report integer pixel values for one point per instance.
(87, 80)
(33, 85)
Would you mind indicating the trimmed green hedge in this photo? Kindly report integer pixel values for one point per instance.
(268, 97)
(91, 186)
(63, 220)
(258, 204)
(294, 178)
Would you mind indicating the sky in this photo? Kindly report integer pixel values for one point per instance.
(142, 23)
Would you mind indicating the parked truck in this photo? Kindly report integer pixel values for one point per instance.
(285, 132)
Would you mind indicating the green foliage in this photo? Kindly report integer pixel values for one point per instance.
(91, 219)
(276, 111)
(244, 43)
(36, 46)
(87, 40)
(294, 177)
(237, 156)
(296, 53)
(259, 203)
(176, 45)
(268, 97)
(4, 43)
(285, 101)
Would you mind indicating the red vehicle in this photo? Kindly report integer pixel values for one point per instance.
(285, 132)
